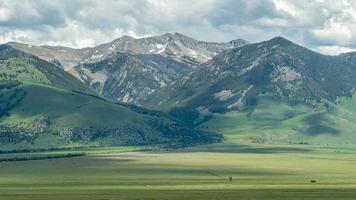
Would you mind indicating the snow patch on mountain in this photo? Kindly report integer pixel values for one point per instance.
(161, 48)
(192, 52)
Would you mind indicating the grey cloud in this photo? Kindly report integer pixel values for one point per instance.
(242, 12)
(319, 24)
(29, 13)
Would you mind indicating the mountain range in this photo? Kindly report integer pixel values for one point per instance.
(273, 91)
(128, 69)
(276, 68)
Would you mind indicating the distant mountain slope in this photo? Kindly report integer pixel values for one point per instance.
(129, 69)
(176, 46)
(41, 105)
(63, 57)
(279, 68)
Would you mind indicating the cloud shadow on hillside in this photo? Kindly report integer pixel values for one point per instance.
(318, 124)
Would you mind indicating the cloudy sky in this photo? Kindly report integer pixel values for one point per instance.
(326, 26)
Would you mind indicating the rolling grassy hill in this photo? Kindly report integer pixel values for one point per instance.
(275, 123)
(43, 106)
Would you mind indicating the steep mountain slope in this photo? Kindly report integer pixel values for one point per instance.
(129, 69)
(274, 89)
(130, 78)
(277, 68)
(41, 105)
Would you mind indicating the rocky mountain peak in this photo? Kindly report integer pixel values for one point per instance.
(129, 69)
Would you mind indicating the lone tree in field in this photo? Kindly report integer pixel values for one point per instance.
(230, 178)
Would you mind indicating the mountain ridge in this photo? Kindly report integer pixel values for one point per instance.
(254, 64)
(157, 60)
(84, 53)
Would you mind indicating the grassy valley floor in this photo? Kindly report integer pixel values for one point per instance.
(202, 172)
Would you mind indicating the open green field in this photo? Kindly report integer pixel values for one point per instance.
(257, 171)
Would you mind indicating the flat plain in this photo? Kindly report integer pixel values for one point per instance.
(202, 172)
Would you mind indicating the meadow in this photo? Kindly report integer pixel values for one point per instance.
(202, 172)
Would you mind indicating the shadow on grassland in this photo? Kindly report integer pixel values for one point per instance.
(231, 148)
(318, 124)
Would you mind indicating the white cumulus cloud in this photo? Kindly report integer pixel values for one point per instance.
(327, 26)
